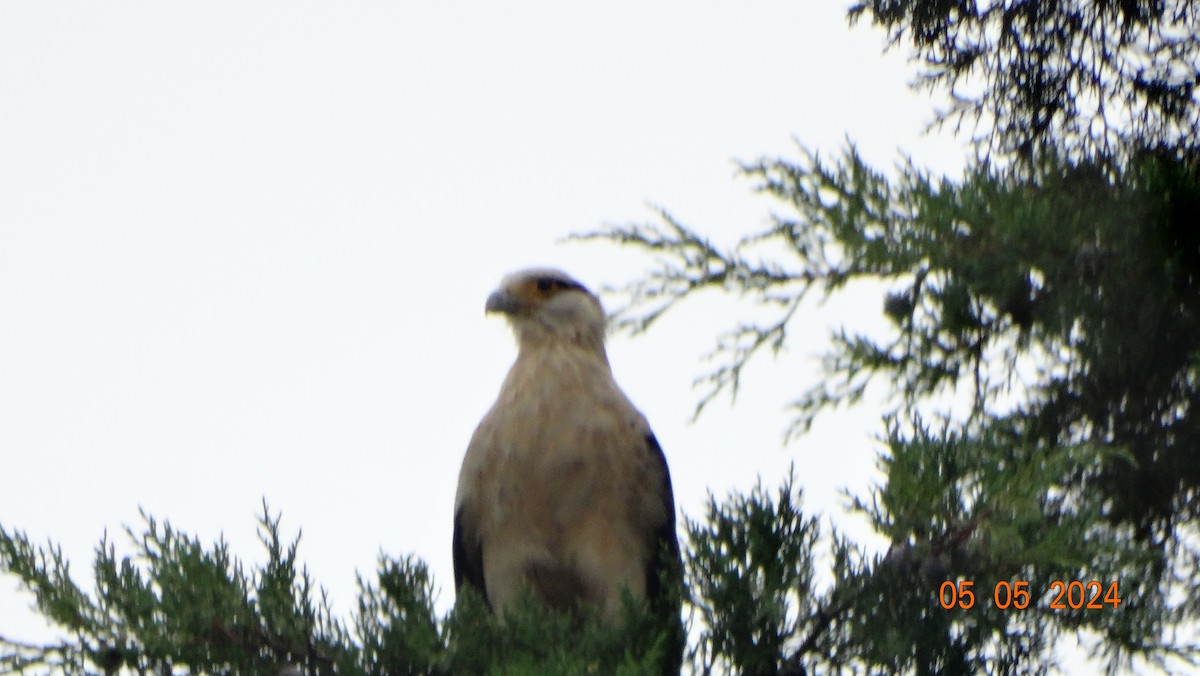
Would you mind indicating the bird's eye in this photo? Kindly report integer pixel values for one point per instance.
(545, 284)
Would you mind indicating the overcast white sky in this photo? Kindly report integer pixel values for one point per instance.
(245, 247)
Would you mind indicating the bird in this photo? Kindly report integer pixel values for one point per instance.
(564, 490)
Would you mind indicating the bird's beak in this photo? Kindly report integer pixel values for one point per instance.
(501, 301)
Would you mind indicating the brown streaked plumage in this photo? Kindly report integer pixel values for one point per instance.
(564, 489)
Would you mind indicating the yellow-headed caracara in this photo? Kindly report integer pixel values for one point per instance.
(564, 490)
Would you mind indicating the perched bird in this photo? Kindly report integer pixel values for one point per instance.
(564, 491)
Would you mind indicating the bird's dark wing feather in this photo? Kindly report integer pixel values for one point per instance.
(468, 559)
(664, 574)
(667, 560)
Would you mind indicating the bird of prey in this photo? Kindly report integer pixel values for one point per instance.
(564, 490)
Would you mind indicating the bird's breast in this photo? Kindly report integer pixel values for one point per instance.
(560, 487)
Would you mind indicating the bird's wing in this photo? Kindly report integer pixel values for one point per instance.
(664, 574)
(665, 565)
(468, 558)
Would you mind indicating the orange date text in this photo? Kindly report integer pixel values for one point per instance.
(1073, 595)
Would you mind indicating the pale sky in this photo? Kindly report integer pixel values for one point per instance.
(245, 247)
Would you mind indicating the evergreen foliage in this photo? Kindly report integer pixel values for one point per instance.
(177, 606)
(1091, 78)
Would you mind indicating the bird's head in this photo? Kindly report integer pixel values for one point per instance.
(549, 305)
